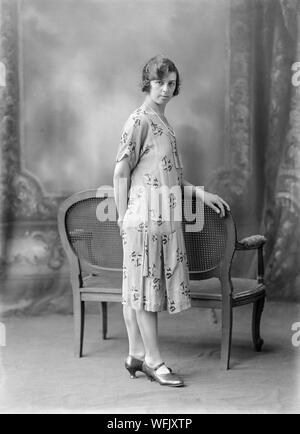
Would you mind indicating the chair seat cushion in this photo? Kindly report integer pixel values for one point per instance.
(210, 289)
(107, 281)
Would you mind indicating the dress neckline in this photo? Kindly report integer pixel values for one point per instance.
(166, 125)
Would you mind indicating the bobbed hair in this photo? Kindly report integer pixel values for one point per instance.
(156, 69)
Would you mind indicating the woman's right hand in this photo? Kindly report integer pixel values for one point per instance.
(120, 224)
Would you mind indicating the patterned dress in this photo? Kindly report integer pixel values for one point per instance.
(155, 267)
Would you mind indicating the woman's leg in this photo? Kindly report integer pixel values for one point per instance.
(142, 330)
(147, 322)
(136, 346)
(148, 325)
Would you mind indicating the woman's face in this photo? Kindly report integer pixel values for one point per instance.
(161, 90)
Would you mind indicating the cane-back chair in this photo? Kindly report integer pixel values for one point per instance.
(93, 246)
(210, 253)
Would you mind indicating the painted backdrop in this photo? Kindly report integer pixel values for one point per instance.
(81, 68)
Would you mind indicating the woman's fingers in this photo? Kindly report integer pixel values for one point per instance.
(219, 207)
(217, 204)
(120, 224)
(225, 203)
(222, 205)
(214, 207)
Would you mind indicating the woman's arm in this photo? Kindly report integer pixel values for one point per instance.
(212, 200)
(122, 181)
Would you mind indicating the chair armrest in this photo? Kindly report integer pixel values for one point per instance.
(252, 242)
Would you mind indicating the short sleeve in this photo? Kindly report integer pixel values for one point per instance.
(132, 139)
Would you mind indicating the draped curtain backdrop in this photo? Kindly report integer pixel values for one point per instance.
(262, 181)
(280, 124)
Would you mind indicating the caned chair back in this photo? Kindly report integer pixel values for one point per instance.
(90, 232)
(209, 239)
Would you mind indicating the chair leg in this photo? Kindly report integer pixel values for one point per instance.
(226, 334)
(79, 318)
(258, 307)
(104, 319)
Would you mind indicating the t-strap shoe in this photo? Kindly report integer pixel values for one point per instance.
(133, 365)
(169, 379)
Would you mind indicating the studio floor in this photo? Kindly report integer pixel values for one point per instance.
(39, 373)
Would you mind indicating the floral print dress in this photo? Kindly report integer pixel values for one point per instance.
(155, 267)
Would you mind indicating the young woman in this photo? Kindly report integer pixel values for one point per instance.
(155, 270)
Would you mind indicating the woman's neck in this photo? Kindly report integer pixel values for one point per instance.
(158, 108)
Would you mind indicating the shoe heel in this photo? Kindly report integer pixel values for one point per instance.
(133, 365)
(132, 372)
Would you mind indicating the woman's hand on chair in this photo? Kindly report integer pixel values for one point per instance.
(216, 203)
(120, 224)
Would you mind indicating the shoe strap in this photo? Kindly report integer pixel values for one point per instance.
(158, 366)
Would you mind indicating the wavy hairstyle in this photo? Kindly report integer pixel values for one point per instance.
(157, 68)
